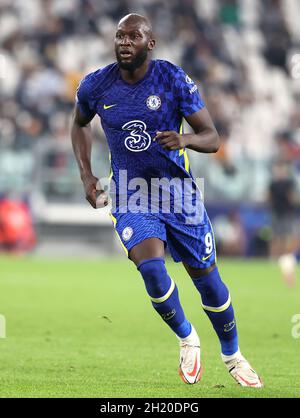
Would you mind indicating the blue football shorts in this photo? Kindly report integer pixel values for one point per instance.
(193, 244)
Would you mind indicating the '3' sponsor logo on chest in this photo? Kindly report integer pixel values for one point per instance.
(139, 139)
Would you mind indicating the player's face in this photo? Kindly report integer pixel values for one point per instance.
(132, 45)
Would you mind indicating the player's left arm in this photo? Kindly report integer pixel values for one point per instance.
(192, 107)
(204, 139)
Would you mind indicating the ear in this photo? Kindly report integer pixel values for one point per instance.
(151, 44)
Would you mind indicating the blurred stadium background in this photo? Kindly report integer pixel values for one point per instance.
(241, 52)
(68, 324)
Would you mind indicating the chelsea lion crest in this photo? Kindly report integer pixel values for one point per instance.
(127, 233)
(153, 102)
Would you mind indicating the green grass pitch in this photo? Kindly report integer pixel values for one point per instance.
(87, 329)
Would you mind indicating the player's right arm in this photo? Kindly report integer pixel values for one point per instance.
(82, 145)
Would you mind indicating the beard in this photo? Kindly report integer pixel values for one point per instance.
(136, 61)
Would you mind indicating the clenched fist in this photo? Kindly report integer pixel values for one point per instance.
(170, 140)
(94, 193)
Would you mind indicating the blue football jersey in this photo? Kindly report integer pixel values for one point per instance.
(131, 114)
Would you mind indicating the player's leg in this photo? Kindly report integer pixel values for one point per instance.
(287, 264)
(217, 305)
(143, 237)
(288, 258)
(148, 256)
(194, 246)
(149, 259)
(148, 248)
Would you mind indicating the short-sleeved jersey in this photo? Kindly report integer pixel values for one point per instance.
(131, 114)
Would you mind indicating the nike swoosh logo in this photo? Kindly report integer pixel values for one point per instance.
(205, 258)
(246, 381)
(192, 374)
(108, 107)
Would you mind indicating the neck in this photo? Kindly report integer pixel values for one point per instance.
(136, 75)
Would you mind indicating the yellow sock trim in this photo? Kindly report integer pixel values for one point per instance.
(166, 296)
(218, 309)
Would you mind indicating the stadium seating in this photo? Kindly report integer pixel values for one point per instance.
(239, 52)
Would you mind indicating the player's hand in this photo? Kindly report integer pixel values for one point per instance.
(94, 193)
(170, 140)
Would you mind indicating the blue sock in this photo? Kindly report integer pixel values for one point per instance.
(217, 306)
(164, 295)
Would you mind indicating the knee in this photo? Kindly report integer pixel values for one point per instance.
(155, 276)
(209, 281)
(212, 289)
(152, 268)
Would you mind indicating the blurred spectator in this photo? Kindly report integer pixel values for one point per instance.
(230, 234)
(235, 50)
(229, 12)
(17, 234)
(283, 208)
(277, 37)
